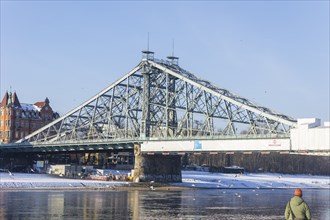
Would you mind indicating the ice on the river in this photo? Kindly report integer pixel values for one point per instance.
(194, 179)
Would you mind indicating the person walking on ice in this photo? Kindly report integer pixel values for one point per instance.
(297, 208)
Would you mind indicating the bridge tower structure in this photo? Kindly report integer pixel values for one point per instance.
(160, 100)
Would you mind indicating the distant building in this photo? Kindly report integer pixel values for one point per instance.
(17, 120)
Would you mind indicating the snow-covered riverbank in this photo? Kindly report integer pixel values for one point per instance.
(45, 181)
(252, 180)
(193, 179)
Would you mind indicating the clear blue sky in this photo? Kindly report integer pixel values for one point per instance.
(275, 53)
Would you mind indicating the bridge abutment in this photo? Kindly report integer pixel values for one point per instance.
(156, 167)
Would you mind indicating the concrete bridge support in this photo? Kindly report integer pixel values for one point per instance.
(158, 168)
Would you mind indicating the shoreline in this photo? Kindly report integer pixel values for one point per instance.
(104, 186)
(124, 188)
(141, 188)
(190, 181)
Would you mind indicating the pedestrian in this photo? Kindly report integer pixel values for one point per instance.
(297, 208)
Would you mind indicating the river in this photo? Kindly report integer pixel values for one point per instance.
(133, 204)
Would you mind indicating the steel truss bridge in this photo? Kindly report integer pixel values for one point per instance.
(160, 102)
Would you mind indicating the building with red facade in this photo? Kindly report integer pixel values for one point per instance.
(17, 120)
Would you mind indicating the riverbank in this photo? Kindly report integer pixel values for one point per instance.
(190, 180)
(23, 181)
(252, 180)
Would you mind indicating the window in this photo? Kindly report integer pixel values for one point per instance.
(8, 134)
(8, 122)
(17, 124)
(0, 112)
(0, 123)
(16, 135)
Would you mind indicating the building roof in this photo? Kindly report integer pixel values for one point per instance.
(30, 107)
(12, 100)
(4, 101)
(15, 100)
(40, 104)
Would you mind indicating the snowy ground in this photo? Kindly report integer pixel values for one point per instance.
(194, 179)
(252, 180)
(42, 181)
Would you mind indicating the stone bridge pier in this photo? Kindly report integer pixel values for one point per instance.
(156, 167)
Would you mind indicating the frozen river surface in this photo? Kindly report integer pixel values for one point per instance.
(134, 204)
(218, 196)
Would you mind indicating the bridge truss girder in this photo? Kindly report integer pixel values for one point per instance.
(159, 99)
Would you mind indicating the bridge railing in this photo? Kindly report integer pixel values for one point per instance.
(142, 139)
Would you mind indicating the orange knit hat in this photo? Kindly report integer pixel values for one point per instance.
(298, 192)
